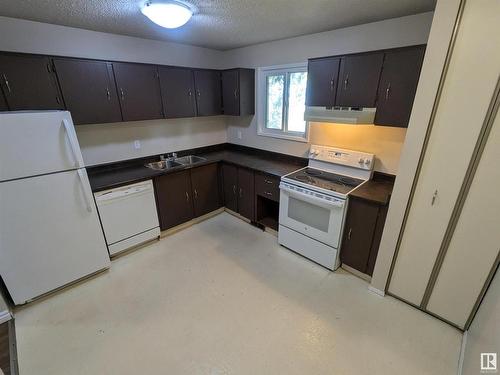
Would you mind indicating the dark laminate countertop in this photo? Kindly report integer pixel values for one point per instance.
(377, 190)
(121, 173)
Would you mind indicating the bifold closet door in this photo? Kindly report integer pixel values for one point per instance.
(463, 104)
(475, 244)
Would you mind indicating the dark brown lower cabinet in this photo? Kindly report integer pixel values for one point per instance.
(174, 200)
(239, 190)
(205, 185)
(362, 233)
(3, 103)
(230, 184)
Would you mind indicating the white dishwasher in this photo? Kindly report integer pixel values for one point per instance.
(128, 215)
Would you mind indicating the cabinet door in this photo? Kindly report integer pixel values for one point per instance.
(3, 103)
(205, 184)
(246, 201)
(177, 91)
(359, 229)
(139, 91)
(89, 90)
(29, 83)
(359, 76)
(398, 84)
(173, 196)
(322, 82)
(208, 95)
(230, 183)
(230, 92)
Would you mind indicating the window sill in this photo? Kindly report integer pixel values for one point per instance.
(288, 137)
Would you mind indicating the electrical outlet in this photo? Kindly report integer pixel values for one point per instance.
(239, 134)
(137, 144)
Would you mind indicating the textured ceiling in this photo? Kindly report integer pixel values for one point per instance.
(219, 24)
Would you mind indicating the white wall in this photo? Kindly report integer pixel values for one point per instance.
(385, 142)
(103, 143)
(35, 37)
(484, 334)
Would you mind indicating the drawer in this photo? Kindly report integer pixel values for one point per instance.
(267, 186)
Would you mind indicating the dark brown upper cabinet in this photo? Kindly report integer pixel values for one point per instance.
(3, 102)
(322, 81)
(29, 83)
(89, 90)
(205, 185)
(174, 199)
(208, 92)
(238, 92)
(359, 77)
(177, 91)
(398, 84)
(138, 88)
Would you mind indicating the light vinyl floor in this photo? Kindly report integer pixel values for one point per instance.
(222, 297)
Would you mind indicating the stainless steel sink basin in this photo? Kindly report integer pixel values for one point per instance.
(190, 159)
(163, 165)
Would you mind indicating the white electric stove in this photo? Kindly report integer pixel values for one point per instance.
(314, 199)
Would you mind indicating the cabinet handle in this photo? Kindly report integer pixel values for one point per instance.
(434, 196)
(236, 93)
(195, 194)
(268, 181)
(332, 83)
(122, 94)
(268, 193)
(346, 82)
(198, 92)
(349, 234)
(6, 82)
(187, 197)
(234, 189)
(387, 91)
(108, 94)
(241, 193)
(190, 94)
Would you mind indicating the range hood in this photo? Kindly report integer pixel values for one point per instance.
(341, 115)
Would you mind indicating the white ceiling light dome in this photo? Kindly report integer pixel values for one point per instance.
(168, 14)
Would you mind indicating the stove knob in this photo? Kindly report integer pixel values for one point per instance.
(361, 161)
(367, 161)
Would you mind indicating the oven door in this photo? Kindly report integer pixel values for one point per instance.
(313, 214)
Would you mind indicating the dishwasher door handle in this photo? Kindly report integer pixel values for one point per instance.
(123, 192)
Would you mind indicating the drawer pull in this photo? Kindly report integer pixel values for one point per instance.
(268, 193)
(268, 181)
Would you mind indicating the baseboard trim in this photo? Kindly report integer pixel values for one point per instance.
(462, 353)
(189, 223)
(357, 273)
(5, 316)
(376, 291)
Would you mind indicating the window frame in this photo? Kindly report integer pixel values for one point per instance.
(262, 102)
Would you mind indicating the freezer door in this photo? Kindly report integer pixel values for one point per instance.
(35, 143)
(50, 233)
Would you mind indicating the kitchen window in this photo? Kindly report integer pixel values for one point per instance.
(281, 102)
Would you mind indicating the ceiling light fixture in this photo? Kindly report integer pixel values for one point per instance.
(169, 14)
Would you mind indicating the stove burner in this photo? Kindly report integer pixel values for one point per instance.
(305, 178)
(314, 172)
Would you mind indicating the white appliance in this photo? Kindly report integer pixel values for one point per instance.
(128, 215)
(340, 115)
(314, 199)
(50, 233)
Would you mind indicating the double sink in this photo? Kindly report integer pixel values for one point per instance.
(166, 164)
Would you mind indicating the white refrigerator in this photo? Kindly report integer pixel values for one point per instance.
(50, 234)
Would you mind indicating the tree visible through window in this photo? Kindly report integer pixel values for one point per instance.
(285, 101)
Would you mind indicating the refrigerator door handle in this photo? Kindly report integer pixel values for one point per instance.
(85, 189)
(72, 142)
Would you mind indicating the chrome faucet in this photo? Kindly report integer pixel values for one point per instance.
(170, 156)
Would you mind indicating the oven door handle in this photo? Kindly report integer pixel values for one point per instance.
(313, 199)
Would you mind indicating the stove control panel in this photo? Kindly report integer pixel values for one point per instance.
(341, 156)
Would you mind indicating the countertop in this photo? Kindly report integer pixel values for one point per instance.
(102, 178)
(377, 190)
